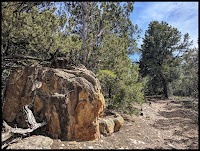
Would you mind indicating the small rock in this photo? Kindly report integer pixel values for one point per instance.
(106, 126)
(136, 141)
(90, 147)
(127, 118)
(140, 142)
(101, 136)
(72, 142)
(171, 145)
(119, 121)
(33, 142)
(62, 144)
(129, 124)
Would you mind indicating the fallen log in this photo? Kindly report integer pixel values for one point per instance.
(9, 131)
(5, 145)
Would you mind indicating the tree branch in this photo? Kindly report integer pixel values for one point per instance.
(21, 57)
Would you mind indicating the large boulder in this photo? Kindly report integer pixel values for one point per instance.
(68, 100)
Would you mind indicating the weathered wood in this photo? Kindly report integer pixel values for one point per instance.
(5, 145)
(9, 131)
(31, 119)
(5, 136)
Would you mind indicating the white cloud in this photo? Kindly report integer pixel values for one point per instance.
(181, 15)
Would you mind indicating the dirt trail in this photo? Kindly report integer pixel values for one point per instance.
(165, 124)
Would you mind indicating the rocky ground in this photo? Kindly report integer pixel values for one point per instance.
(163, 124)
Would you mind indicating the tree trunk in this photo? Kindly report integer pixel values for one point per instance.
(84, 32)
(109, 93)
(164, 82)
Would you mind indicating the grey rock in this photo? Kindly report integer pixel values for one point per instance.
(33, 142)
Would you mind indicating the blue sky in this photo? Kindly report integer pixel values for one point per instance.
(181, 15)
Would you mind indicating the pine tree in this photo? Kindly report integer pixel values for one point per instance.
(31, 33)
(161, 54)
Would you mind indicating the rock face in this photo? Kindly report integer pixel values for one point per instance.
(110, 123)
(69, 100)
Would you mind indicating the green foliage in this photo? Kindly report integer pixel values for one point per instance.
(108, 37)
(107, 79)
(99, 35)
(153, 87)
(107, 73)
(148, 117)
(98, 22)
(121, 87)
(187, 84)
(161, 52)
(34, 33)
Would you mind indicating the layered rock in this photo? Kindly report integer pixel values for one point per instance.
(68, 100)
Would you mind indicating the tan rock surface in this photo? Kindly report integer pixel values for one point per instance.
(70, 101)
(119, 121)
(106, 126)
(110, 122)
(33, 142)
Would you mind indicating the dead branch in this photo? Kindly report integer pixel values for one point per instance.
(5, 136)
(9, 131)
(21, 57)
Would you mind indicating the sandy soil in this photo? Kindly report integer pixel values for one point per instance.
(162, 124)
(165, 124)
